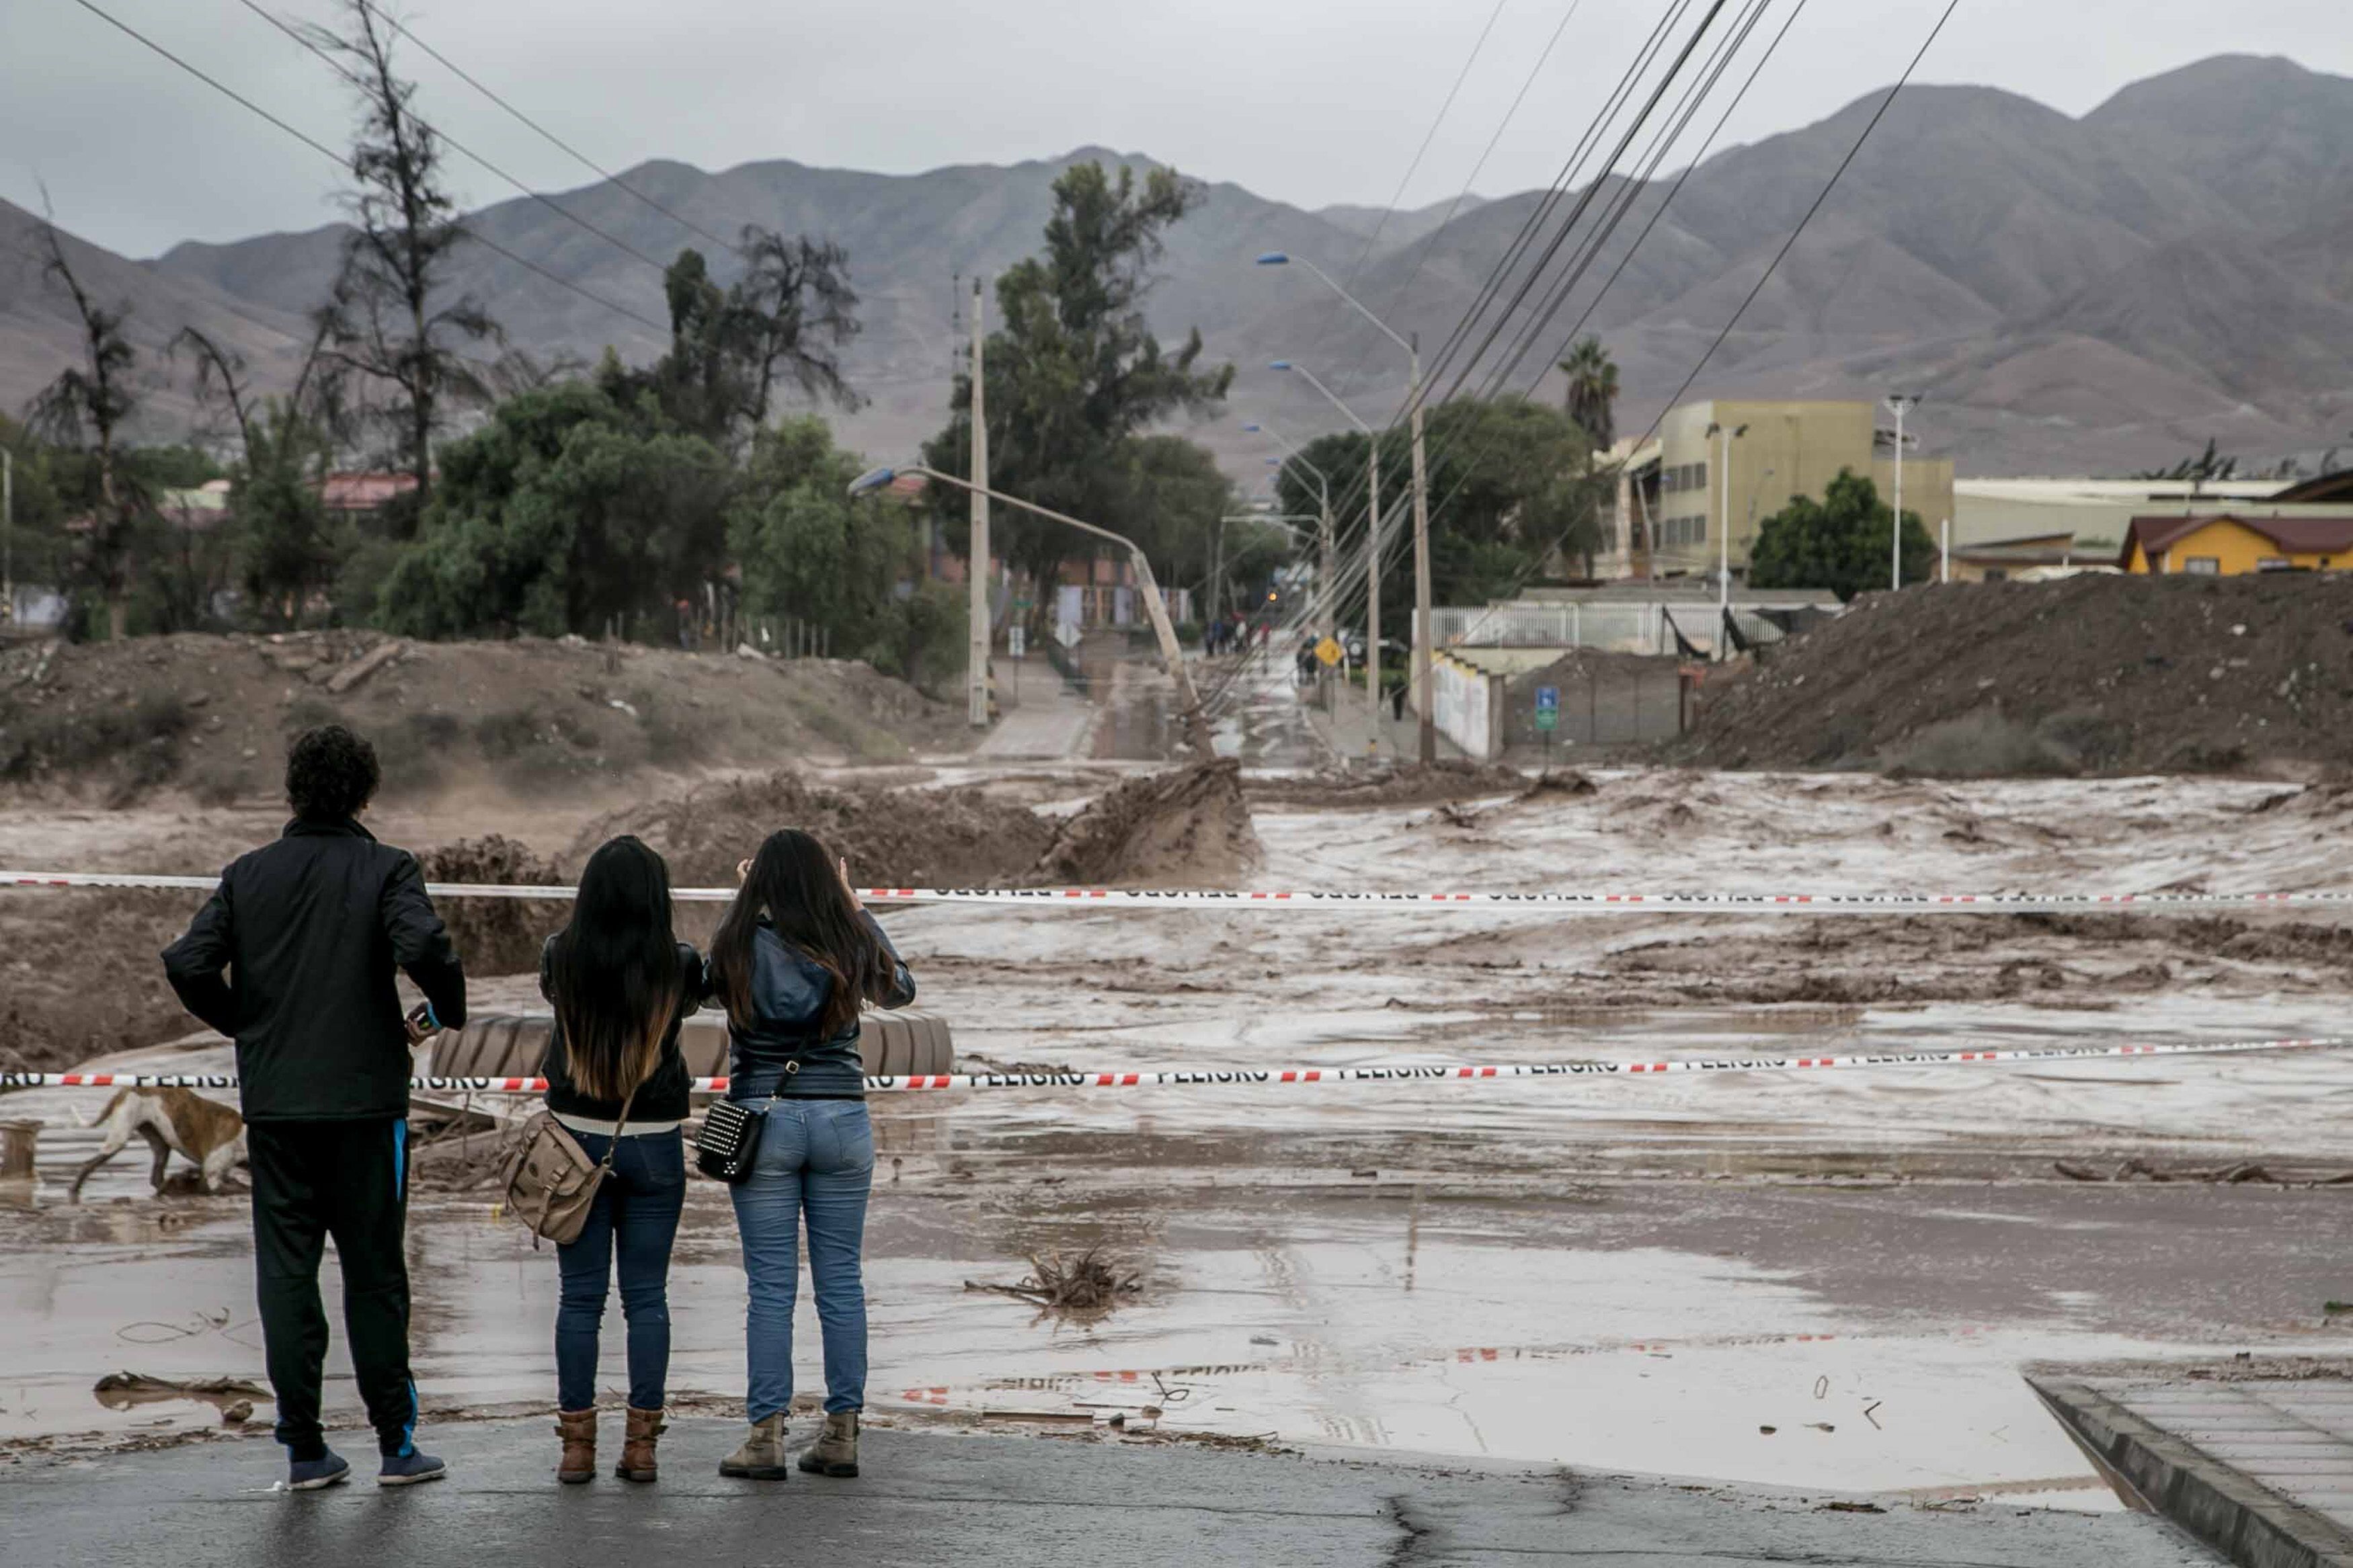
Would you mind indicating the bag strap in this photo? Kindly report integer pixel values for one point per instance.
(613, 1145)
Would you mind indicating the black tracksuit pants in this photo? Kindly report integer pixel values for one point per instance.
(348, 1179)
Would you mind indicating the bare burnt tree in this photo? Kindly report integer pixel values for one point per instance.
(794, 309)
(382, 321)
(86, 405)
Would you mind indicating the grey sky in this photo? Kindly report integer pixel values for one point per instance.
(1309, 101)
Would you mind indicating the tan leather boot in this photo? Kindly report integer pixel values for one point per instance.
(835, 1452)
(637, 1451)
(762, 1456)
(578, 1430)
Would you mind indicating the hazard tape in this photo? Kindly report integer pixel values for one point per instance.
(1231, 1077)
(1211, 897)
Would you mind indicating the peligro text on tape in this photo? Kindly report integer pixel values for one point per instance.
(1243, 1078)
(1571, 902)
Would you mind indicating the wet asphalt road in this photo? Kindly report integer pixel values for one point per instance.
(979, 1500)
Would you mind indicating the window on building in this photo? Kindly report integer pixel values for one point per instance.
(1699, 476)
(2202, 566)
(1996, 574)
(1699, 530)
(2272, 563)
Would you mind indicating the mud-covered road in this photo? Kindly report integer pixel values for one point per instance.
(1824, 1280)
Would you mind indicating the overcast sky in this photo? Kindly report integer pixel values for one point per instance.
(1309, 101)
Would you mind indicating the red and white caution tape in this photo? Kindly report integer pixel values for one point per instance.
(1235, 1077)
(1603, 902)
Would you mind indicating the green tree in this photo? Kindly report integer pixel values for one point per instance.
(1593, 399)
(563, 511)
(1511, 484)
(1074, 374)
(86, 407)
(1841, 543)
(391, 319)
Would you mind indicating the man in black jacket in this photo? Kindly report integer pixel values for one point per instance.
(293, 956)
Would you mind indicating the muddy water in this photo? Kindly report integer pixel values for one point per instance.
(1622, 1273)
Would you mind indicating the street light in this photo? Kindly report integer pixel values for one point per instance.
(1426, 711)
(1902, 403)
(1197, 725)
(1372, 534)
(1724, 536)
(1330, 567)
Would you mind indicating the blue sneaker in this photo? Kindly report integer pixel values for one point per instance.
(408, 1469)
(310, 1475)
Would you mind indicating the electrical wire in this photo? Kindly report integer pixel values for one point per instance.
(340, 162)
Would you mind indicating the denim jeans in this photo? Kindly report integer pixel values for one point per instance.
(635, 1218)
(816, 1159)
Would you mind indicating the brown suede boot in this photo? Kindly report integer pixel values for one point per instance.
(578, 1430)
(835, 1452)
(762, 1456)
(637, 1451)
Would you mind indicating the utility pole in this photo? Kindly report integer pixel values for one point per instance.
(1901, 402)
(8, 536)
(976, 653)
(1424, 708)
(1373, 587)
(1724, 536)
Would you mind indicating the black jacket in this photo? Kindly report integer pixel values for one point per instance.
(662, 1097)
(292, 957)
(788, 995)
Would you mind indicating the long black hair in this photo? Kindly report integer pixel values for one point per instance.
(615, 974)
(796, 883)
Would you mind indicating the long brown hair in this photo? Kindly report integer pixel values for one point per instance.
(795, 882)
(615, 974)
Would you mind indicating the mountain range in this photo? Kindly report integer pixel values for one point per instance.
(2074, 295)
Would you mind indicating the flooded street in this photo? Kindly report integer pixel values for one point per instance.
(1800, 1279)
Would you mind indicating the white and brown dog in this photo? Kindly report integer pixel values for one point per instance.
(179, 1121)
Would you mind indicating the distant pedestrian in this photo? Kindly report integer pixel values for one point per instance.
(293, 957)
(795, 960)
(1397, 702)
(621, 984)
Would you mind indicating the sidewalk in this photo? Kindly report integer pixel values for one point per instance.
(1039, 715)
(983, 1501)
(1348, 729)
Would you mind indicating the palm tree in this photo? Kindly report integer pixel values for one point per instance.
(1592, 391)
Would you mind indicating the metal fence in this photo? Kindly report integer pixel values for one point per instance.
(1635, 627)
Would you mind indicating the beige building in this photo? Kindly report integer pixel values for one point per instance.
(1674, 503)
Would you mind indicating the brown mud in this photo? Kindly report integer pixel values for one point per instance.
(1187, 826)
(2092, 675)
(1409, 783)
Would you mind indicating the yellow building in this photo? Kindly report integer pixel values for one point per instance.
(2228, 545)
(1672, 499)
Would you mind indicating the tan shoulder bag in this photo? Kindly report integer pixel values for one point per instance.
(551, 1183)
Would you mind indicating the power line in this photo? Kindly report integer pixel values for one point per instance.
(582, 158)
(340, 70)
(340, 162)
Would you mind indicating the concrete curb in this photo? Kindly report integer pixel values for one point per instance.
(2155, 1471)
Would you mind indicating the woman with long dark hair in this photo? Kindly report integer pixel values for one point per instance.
(794, 961)
(622, 984)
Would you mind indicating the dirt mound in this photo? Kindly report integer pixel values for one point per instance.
(933, 838)
(86, 978)
(495, 936)
(212, 714)
(1567, 782)
(2090, 675)
(1409, 783)
(1186, 828)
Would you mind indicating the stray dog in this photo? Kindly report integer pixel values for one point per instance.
(172, 1120)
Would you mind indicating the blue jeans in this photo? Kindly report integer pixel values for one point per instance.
(635, 1216)
(816, 1159)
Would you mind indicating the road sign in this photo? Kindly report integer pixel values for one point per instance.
(1547, 718)
(1329, 651)
(1016, 637)
(1547, 699)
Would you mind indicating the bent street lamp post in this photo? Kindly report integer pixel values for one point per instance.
(1373, 550)
(1427, 735)
(1197, 725)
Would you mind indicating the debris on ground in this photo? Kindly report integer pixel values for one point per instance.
(210, 714)
(1058, 1283)
(921, 837)
(2234, 1175)
(495, 936)
(123, 1390)
(1181, 828)
(1407, 784)
(2091, 675)
(1564, 782)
